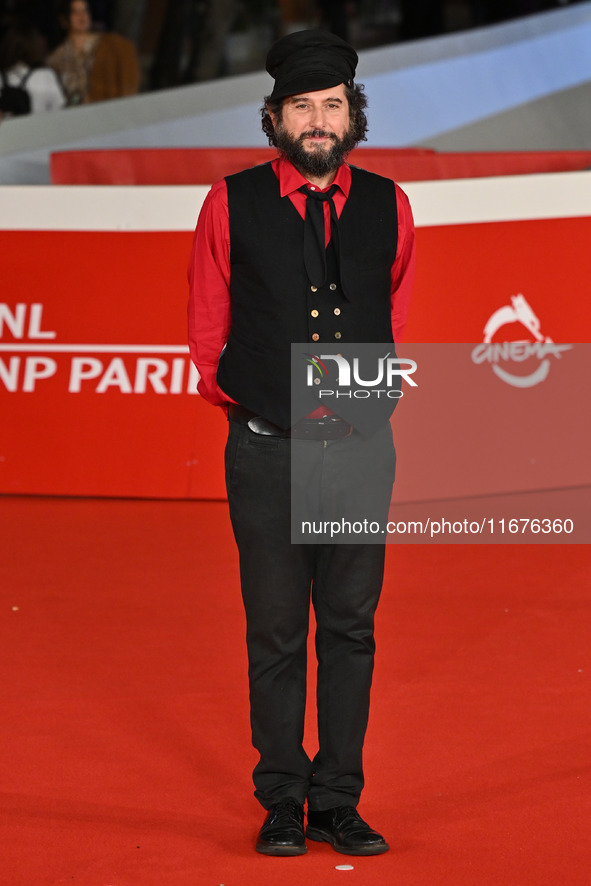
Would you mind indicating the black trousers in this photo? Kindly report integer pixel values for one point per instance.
(279, 580)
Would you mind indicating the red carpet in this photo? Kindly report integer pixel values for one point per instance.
(125, 740)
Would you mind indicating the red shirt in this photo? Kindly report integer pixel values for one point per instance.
(209, 268)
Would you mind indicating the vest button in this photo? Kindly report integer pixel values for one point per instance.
(337, 311)
(333, 286)
(337, 335)
(314, 288)
(315, 337)
(314, 313)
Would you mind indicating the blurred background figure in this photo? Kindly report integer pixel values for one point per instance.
(193, 40)
(128, 19)
(189, 41)
(93, 66)
(26, 85)
(179, 43)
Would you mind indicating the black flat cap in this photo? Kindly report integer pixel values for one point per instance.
(306, 61)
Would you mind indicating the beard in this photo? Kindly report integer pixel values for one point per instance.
(318, 161)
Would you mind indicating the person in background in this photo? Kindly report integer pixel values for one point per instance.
(26, 86)
(93, 67)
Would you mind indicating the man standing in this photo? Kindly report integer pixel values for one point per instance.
(302, 249)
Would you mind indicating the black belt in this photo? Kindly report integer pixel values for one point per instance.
(329, 427)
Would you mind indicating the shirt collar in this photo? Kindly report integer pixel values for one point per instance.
(290, 179)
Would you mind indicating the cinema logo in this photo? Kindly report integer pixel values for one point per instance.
(348, 379)
(502, 354)
(34, 356)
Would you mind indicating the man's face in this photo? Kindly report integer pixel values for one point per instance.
(314, 129)
(316, 117)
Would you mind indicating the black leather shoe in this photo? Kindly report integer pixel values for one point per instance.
(346, 831)
(283, 830)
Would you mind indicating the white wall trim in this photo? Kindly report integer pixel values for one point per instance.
(175, 208)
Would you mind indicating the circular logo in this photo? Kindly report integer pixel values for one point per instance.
(519, 351)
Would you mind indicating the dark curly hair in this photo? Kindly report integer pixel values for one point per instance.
(357, 105)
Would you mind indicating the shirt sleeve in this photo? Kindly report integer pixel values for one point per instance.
(209, 292)
(403, 269)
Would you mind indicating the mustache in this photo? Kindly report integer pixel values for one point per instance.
(317, 133)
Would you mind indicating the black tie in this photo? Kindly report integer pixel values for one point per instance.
(314, 236)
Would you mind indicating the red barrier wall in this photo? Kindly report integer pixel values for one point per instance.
(115, 412)
(97, 395)
(184, 166)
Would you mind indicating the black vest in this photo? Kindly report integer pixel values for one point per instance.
(272, 302)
